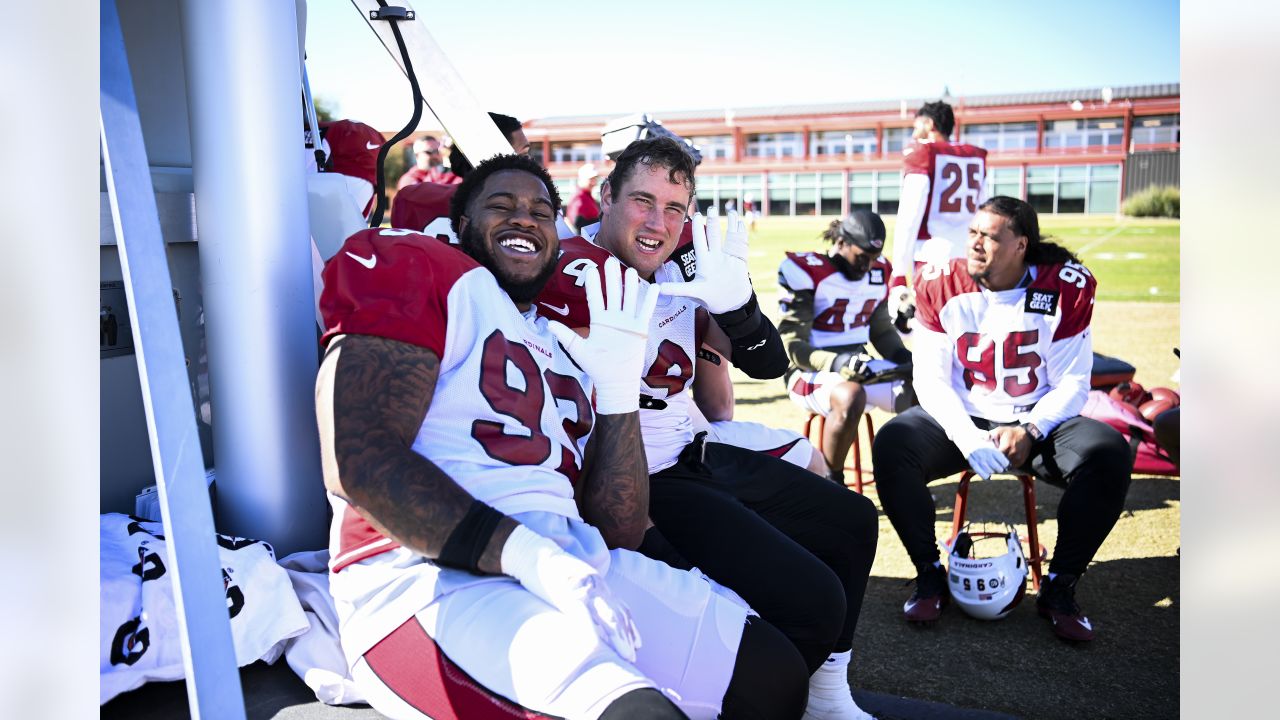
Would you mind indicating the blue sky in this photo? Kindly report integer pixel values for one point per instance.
(533, 59)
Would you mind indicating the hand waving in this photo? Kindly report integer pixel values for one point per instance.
(721, 282)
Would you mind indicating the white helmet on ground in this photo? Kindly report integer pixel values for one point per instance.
(987, 588)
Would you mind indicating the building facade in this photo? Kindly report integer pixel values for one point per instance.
(1067, 151)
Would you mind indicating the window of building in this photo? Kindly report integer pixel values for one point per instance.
(831, 194)
(780, 194)
(706, 195)
(862, 191)
(1156, 129)
(1041, 186)
(895, 139)
(1104, 188)
(1001, 137)
(1072, 188)
(1005, 181)
(1105, 132)
(888, 190)
(576, 152)
(847, 143)
(806, 194)
(714, 147)
(775, 145)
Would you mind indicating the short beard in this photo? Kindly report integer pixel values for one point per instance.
(521, 291)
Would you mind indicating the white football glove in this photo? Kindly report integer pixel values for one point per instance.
(721, 282)
(735, 237)
(571, 586)
(987, 461)
(900, 298)
(613, 354)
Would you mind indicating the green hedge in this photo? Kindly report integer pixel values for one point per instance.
(1158, 201)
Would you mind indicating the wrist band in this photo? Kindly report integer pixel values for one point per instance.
(469, 538)
(742, 321)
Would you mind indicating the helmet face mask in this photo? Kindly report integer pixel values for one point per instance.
(987, 588)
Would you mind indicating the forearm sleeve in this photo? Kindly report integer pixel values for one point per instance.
(757, 347)
(885, 338)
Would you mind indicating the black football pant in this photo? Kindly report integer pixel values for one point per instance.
(1088, 458)
(795, 546)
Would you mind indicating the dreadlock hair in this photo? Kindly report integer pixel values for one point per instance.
(460, 165)
(1023, 221)
(655, 152)
(475, 180)
(944, 119)
(832, 234)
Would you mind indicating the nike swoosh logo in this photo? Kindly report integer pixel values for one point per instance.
(370, 262)
(372, 146)
(559, 311)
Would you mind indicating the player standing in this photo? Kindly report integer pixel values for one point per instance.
(1002, 364)
(942, 187)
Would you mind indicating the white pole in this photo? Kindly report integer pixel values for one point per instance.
(243, 80)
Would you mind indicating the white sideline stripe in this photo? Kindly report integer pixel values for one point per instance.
(1088, 246)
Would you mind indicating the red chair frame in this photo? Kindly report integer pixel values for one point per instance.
(1036, 554)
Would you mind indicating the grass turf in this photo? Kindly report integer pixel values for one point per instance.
(1130, 592)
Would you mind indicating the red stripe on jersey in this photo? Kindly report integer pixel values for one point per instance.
(357, 540)
(393, 284)
(412, 666)
(933, 293)
(421, 204)
(818, 271)
(778, 452)
(1075, 304)
(803, 387)
(562, 299)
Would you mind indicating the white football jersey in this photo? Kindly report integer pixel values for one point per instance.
(1010, 347)
(841, 307)
(675, 334)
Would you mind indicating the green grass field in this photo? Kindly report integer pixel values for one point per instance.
(1131, 592)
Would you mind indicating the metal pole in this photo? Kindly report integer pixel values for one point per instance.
(208, 654)
(243, 75)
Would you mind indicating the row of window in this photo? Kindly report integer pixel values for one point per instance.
(1049, 189)
(1059, 136)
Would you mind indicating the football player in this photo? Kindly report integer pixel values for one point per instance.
(801, 547)
(834, 308)
(428, 165)
(485, 467)
(942, 186)
(1001, 367)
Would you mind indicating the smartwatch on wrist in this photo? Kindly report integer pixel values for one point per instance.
(1032, 430)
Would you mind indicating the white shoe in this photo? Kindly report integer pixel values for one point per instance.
(829, 696)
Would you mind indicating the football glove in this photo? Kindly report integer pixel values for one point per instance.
(987, 461)
(613, 353)
(721, 282)
(853, 366)
(571, 586)
(900, 298)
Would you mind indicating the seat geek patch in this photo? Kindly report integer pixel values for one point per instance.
(1041, 301)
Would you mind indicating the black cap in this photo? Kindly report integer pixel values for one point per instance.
(864, 229)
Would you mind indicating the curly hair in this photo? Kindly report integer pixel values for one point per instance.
(475, 180)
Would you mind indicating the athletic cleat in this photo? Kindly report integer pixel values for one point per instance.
(931, 596)
(1057, 603)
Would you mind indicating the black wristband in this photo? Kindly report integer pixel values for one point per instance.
(741, 322)
(469, 539)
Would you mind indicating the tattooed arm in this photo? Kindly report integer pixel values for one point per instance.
(613, 492)
(371, 397)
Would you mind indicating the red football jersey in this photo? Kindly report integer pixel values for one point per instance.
(353, 148)
(424, 208)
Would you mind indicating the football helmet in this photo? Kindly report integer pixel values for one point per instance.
(986, 588)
